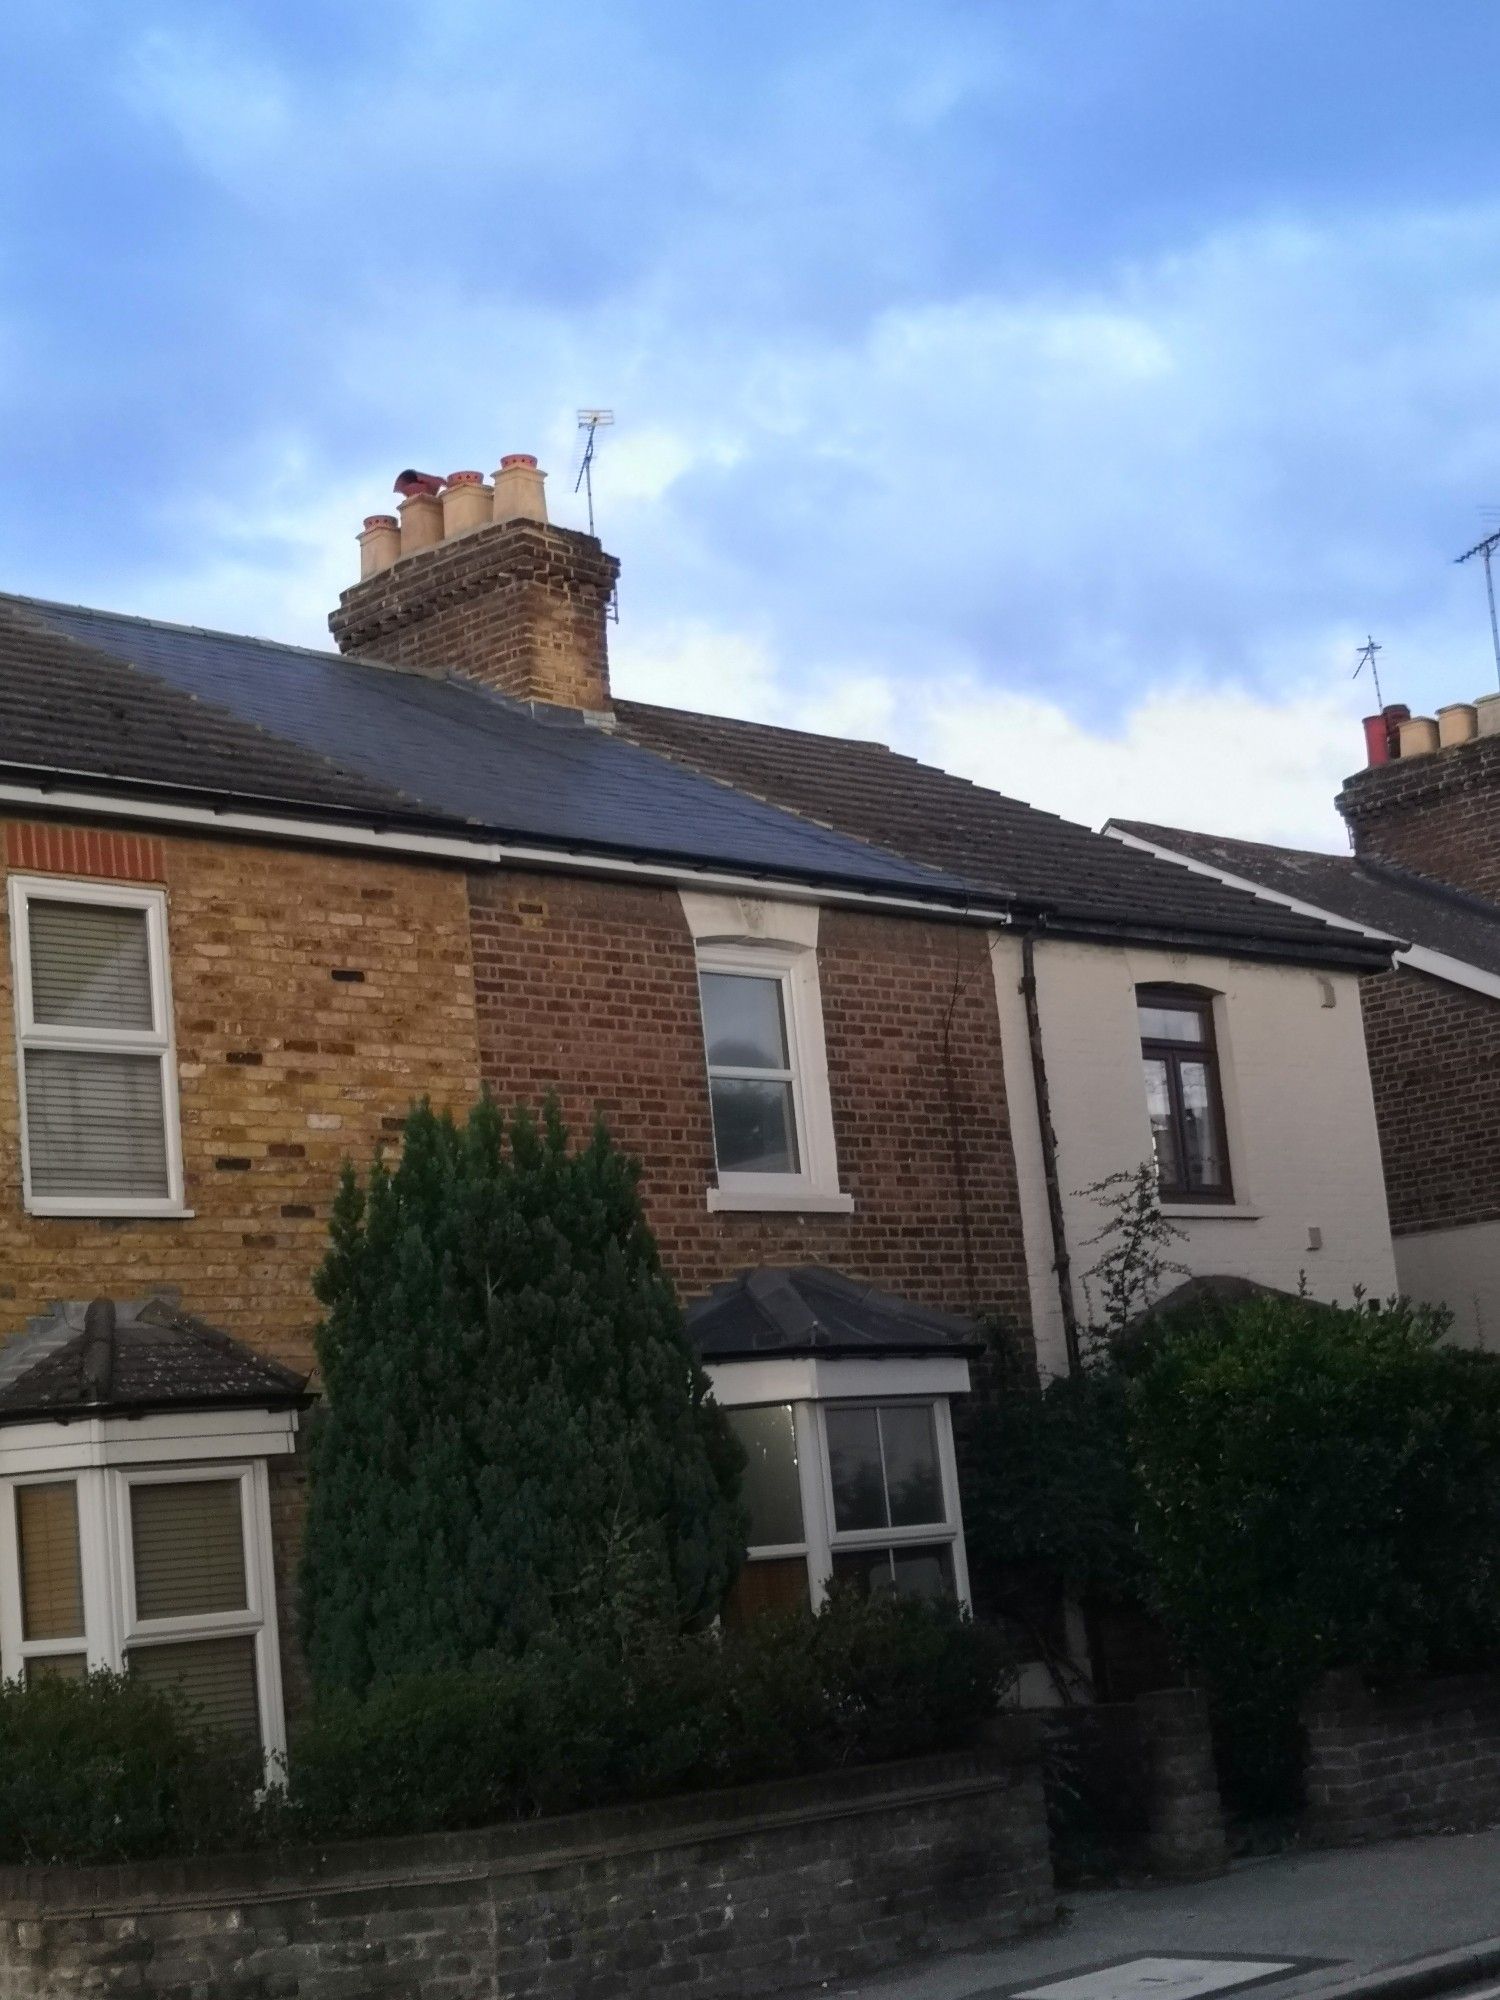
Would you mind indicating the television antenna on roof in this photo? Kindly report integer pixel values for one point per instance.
(1486, 550)
(591, 421)
(1367, 654)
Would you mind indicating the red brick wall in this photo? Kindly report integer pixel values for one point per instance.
(520, 606)
(591, 989)
(1435, 1063)
(1439, 814)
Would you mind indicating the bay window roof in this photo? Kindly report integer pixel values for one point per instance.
(131, 1358)
(809, 1309)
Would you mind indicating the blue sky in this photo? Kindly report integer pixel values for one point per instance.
(1057, 388)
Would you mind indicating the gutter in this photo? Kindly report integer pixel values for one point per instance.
(477, 850)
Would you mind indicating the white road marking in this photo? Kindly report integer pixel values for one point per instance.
(1161, 1979)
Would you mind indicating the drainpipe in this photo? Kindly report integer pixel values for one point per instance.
(1061, 1260)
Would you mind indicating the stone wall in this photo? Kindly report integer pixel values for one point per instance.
(737, 1893)
(1410, 1759)
(1142, 1792)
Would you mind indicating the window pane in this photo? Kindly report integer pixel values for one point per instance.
(90, 965)
(923, 1572)
(854, 1470)
(743, 1021)
(51, 1574)
(755, 1131)
(777, 1585)
(94, 1124)
(864, 1570)
(913, 1486)
(56, 1667)
(1163, 1135)
(1205, 1160)
(772, 1493)
(189, 1548)
(215, 1677)
(1164, 1023)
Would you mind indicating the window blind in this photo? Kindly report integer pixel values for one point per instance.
(216, 1677)
(56, 1667)
(90, 965)
(51, 1573)
(95, 1124)
(189, 1548)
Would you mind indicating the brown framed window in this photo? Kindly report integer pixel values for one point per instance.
(1183, 1094)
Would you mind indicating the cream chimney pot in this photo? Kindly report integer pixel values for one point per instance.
(421, 522)
(1419, 736)
(520, 489)
(1487, 713)
(467, 503)
(1456, 723)
(379, 544)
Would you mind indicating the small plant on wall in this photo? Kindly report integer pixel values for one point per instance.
(515, 1429)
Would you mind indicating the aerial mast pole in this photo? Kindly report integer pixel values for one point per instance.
(1486, 550)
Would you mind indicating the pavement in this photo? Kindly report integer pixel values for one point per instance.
(1395, 1921)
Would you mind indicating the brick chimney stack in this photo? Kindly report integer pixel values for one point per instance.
(474, 578)
(1434, 806)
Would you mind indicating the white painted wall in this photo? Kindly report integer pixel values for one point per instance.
(1303, 1148)
(1459, 1268)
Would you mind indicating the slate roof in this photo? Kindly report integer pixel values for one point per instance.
(129, 700)
(811, 1310)
(157, 1358)
(1089, 885)
(1396, 901)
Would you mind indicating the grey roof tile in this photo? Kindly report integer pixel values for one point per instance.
(1398, 902)
(811, 1310)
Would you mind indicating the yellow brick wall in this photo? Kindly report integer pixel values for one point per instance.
(283, 1071)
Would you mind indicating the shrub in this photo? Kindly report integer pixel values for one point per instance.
(512, 1409)
(582, 1719)
(1319, 1487)
(106, 1769)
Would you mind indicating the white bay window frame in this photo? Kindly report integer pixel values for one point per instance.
(158, 1041)
(812, 1388)
(107, 1458)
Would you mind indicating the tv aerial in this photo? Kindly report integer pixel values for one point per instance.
(590, 422)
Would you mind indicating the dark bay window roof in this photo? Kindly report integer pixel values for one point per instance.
(810, 1310)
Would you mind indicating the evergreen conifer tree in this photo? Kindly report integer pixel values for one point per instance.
(514, 1428)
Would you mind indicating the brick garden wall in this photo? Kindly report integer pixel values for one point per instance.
(591, 989)
(1406, 1760)
(315, 996)
(733, 1893)
(1435, 1066)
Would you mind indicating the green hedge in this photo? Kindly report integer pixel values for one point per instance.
(105, 1770)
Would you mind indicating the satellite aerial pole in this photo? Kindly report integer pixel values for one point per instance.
(593, 421)
(1486, 549)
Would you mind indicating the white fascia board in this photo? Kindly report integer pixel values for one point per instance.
(70, 1443)
(477, 852)
(815, 1379)
(1418, 957)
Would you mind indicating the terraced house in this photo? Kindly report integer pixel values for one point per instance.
(868, 1028)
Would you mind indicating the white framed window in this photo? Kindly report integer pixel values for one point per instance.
(96, 1061)
(163, 1572)
(864, 1493)
(767, 1078)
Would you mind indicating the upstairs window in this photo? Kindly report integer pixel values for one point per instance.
(1183, 1095)
(767, 1078)
(94, 1032)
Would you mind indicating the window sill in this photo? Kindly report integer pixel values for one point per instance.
(62, 1211)
(1209, 1211)
(776, 1201)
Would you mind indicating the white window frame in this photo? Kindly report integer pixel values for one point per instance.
(158, 1041)
(106, 1458)
(821, 1540)
(815, 1185)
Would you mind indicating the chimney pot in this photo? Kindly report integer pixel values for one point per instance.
(1487, 714)
(379, 543)
(421, 522)
(520, 489)
(1456, 723)
(467, 503)
(1418, 736)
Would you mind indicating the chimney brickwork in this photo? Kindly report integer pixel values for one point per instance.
(1437, 813)
(514, 603)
